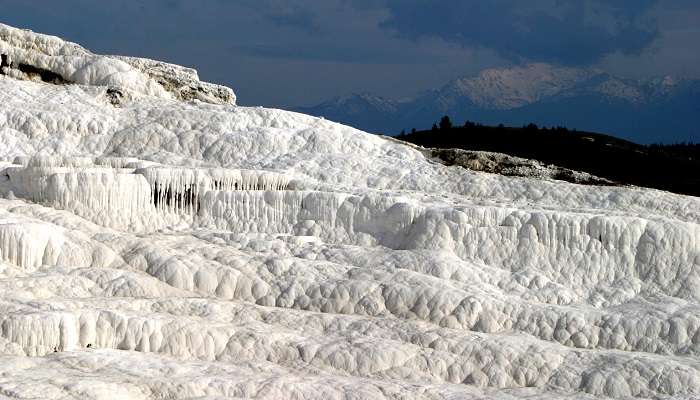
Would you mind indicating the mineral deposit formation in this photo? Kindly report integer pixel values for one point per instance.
(157, 241)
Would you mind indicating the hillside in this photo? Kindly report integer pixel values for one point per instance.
(673, 168)
(157, 241)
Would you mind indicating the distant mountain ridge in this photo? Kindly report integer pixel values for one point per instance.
(650, 110)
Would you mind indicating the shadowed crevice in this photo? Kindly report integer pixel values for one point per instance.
(43, 74)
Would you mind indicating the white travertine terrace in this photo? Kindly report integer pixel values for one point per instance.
(158, 247)
(32, 56)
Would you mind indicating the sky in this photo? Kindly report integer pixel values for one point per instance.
(287, 53)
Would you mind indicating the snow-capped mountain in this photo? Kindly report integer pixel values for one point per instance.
(660, 109)
(505, 89)
(363, 108)
(159, 242)
(358, 104)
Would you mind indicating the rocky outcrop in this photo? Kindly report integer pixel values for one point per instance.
(183, 82)
(26, 55)
(504, 164)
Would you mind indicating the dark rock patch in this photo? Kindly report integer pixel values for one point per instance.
(115, 96)
(43, 74)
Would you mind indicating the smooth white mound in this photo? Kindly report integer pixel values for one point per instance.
(156, 247)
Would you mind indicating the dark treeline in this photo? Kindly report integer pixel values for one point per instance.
(672, 167)
(684, 149)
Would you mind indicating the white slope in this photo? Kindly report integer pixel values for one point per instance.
(155, 247)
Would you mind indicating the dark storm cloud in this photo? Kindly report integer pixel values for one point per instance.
(570, 32)
(295, 52)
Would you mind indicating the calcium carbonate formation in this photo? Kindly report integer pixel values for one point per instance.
(157, 241)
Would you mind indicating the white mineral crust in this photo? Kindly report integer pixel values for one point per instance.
(161, 245)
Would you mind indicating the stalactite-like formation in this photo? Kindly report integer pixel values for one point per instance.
(27, 245)
(179, 190)
(112, 197)
(121, 192)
